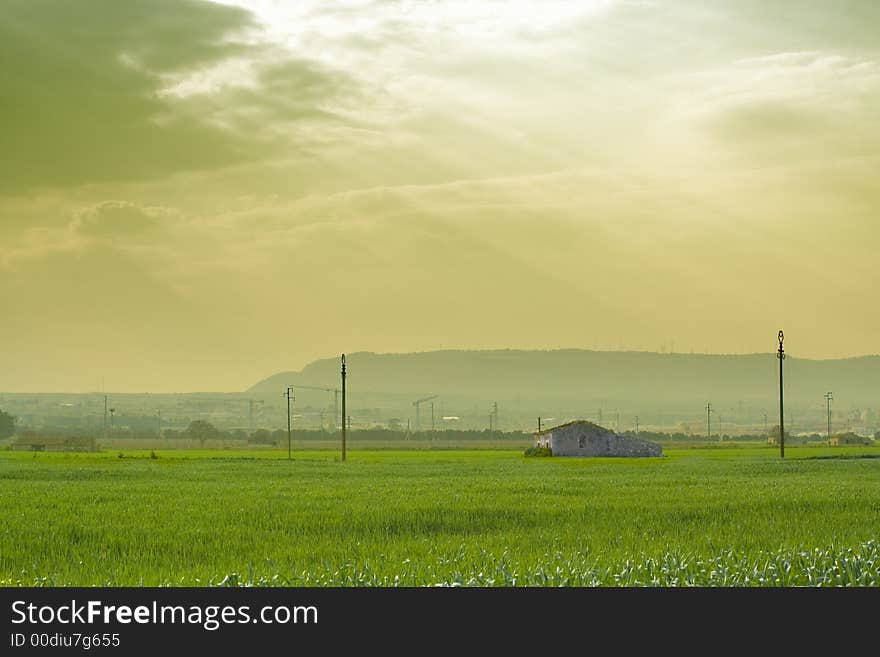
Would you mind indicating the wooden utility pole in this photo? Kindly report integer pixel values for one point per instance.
(780, 354)
(343, 407)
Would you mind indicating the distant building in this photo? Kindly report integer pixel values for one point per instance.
(582, 438)
(31, 442)
(849, 438)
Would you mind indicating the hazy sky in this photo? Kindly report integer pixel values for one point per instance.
(196, 195)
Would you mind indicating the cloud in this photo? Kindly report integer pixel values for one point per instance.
(817, 80)
(121, 219)
(782, 108)
(121, 226)
(89, 91)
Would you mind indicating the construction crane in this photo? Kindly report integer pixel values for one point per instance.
(335, 392)
(416, 403)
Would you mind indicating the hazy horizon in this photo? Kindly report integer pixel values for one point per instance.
(197, 195)
(352, 357)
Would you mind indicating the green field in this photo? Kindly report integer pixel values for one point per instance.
(708, 517)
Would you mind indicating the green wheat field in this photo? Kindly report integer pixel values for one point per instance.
(736, 516)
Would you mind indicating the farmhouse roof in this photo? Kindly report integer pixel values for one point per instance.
(585, 423)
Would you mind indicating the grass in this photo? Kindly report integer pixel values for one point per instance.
(737, 516)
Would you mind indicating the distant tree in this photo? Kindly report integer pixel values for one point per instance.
(773, 437)
(262, 437)
(7, 425)
(201, 430)
(171, 434)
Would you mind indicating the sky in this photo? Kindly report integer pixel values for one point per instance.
(196, 195)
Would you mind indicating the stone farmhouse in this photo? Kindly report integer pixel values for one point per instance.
(849, 438)
(582, 438)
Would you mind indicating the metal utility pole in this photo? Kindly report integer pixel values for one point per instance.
(417, 403)
(289, 394)
(343, 407)
(709, 421)
(780, 354)
(828, 397)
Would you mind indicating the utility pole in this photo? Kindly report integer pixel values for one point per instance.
(289, 394)
(828, 397)
(343, 407)
(495, 412)
(432, 417)
(780, 354)
(104, 430)
(637, 424)
(765, 423)
(709, 421)
(158, 422)
(618, 421)
(539, 424)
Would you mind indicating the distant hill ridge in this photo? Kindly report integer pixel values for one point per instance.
(581, 374)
